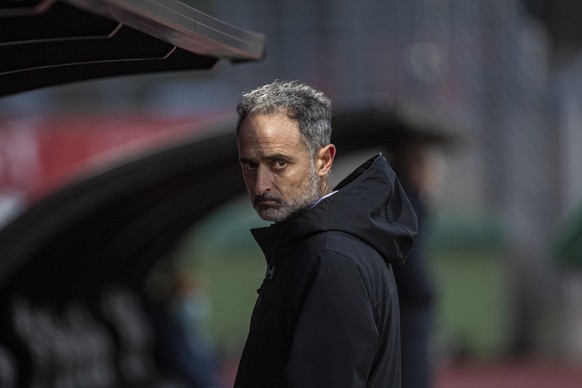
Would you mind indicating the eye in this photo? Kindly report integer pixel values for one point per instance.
(248, 165)
(279, 164)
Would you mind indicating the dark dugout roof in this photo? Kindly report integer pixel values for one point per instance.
(51, 42)
(114, 226)
(91, 246)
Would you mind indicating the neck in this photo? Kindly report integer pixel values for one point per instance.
(325, 189)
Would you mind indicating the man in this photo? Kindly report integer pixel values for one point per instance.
(327, 313)
(417, 158)
(416, 287)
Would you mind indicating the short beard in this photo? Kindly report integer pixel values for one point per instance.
(306, 196)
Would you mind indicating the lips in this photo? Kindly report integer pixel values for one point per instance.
(264, 200)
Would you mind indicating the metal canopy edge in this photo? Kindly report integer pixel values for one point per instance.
(52, 42)
(176, 22)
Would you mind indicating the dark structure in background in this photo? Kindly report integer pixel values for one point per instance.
(562, 20)
(48, 42)
(71, 268)
(74, 265)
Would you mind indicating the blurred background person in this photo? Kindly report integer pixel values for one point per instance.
(185, 349)
(415, 157)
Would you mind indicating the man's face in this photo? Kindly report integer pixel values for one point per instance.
(278, 170)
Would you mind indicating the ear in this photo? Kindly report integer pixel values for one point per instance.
(325, 159)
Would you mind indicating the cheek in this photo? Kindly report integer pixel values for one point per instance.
(248, 181)
(293, 184)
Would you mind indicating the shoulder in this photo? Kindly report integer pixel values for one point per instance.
(341, 252)
(341, 244)
(344, 263)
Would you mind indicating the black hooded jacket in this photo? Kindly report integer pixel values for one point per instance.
(327, 314)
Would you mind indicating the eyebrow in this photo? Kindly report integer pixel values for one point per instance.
(279, 156)
(274, 156)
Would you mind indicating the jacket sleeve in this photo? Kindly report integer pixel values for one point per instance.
(336, 337)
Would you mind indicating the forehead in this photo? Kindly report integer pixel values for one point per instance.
(272, 131)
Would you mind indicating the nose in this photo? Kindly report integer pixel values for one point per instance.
(262, 181)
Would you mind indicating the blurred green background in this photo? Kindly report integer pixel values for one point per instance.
(467, 258)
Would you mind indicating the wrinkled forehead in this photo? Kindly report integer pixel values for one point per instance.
(287, 124)
(270, 129)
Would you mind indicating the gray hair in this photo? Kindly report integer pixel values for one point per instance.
(309, 107)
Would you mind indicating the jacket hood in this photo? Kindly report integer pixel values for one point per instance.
(369, 204)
